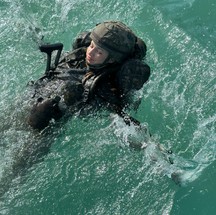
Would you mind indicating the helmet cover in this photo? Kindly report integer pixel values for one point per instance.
(116, 38)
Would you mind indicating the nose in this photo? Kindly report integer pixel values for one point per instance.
(92, 52)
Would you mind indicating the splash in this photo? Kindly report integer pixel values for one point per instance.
(181, 170)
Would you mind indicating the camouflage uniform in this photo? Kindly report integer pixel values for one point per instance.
(79, 84)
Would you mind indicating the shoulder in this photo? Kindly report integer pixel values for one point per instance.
(133, 74)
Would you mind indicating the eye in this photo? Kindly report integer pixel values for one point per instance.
(99, 51)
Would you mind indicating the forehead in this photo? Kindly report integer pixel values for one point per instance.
(98, 47)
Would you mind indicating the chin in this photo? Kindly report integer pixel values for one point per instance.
(91, 63)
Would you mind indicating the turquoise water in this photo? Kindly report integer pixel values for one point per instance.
(90, 169)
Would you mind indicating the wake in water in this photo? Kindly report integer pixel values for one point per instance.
(182, 171)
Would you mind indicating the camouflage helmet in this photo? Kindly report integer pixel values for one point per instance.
(116, 38)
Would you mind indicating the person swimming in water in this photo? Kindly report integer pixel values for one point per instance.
(103, 68)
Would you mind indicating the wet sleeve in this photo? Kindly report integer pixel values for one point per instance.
(132, 76)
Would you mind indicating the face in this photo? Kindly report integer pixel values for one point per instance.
(95, 55)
